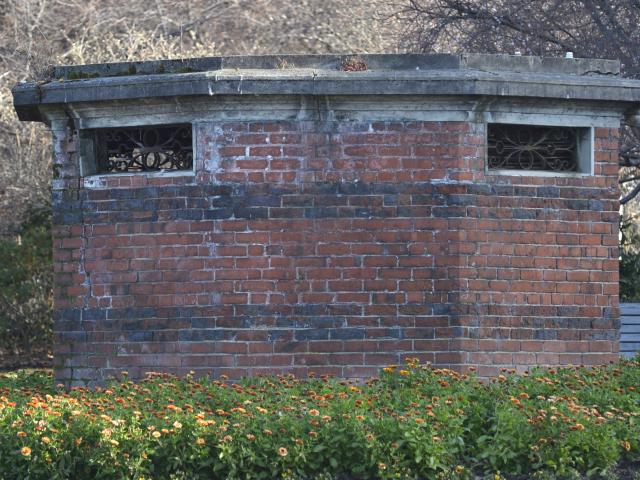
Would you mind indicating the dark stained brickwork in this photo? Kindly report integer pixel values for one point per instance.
(334, 248)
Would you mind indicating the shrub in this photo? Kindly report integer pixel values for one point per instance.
(629, 259)
(26, 286)
(414, 422)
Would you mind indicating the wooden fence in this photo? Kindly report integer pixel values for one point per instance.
(629, 329)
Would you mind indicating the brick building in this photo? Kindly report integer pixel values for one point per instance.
(247, 215)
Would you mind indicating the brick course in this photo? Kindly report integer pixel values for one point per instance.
(334, 248)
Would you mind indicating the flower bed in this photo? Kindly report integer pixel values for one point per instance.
(412, 422)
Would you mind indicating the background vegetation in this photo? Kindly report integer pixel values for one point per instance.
(37, 33)
(629, 259)
(26, 284)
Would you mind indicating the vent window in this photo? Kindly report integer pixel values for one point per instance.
(143, 149)
(538, 148)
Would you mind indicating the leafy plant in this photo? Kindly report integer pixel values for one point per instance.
(26, 279)
(629, 259)
(414, 422)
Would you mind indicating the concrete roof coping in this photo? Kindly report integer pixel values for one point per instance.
(373, 62)
(380, 74)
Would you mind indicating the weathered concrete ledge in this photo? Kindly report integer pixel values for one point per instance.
(416, 74)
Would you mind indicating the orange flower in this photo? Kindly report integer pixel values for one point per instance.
(25, 451)
(313, 412)
(626, 445)
(251, 437)
(404, 373)
(283, 452)
(46, 440)
(21, 434)
(199, 441)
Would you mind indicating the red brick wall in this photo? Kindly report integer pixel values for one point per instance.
(334, 248)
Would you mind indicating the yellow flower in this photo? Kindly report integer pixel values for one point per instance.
(25, 451)
(382, 466)
(404, 373)
(283, 452)
(200, 441)
(114, 442)
(156, 434)
(46, 440)
(177, 425)
(626, 445)
(459, 469)
(266, 431)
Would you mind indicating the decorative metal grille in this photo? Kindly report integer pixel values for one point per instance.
(529, 147)
(143, 149)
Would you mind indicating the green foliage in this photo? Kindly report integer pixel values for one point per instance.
(415, 422)
(26, 280)
(629, 260)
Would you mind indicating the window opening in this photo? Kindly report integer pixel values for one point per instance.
(144, 149)
(533, 147)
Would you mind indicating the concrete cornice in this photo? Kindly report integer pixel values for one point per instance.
(466, 75)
